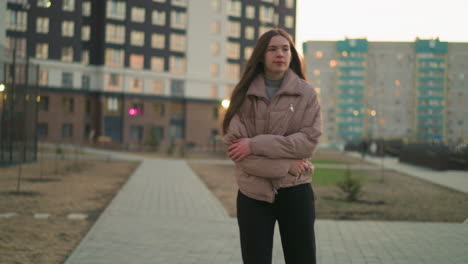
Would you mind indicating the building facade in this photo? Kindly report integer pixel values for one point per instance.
(407, 90)
(129, 70)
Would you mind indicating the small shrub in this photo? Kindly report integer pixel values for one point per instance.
(350, 186)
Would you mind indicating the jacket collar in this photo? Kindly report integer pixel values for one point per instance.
(289, 85)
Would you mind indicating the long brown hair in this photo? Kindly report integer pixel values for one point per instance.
(255, 66)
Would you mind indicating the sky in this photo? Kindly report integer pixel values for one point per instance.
(381, 20)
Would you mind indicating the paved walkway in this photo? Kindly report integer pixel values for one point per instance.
(165, 214)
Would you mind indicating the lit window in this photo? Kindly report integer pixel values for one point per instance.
(137, 85)
(114, 57)
(233, 50)
(85, 33)
(290, 3)
(178, 20)
(115, 34)
(234, 8)
(137, 61)
(266, 13)
(112, 104)
(157, 64)
(42, 51)
(249, 32)
(232, 71)
(289, 21)
(16, 20)
(158, 87)
(177, 64)
(85, 57)
(248, 52)
(159, 1)
(158, 41)
(42, 25)
(67, 54)
(263, 29)
(333, 63)
(68, 5)
(43, 3)
(214, 91)
(318, 54)
(68, 28)
(86, 9)
(178, 42)
(234, 29)
(179, 2)
(214, 48)
(214, 70)
(215, 28)
(138, 14)
(116, 9)
(137, 38)
(158, 18)
(43, 77)
(250, 12)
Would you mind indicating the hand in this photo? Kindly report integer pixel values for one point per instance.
(297, 167)
(239, 149)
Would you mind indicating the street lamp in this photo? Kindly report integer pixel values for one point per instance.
(225, 103)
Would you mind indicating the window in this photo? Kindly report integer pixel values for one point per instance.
(177, 88)
(67, 54)
(114, 57)
(137, 38)
(44, 104)
(136, 85)
(250, 12)
(43, 77)
(233, 50)
(266, 14)
(234, 29)
(16, 20)
(115, 34)
(157, 64)
(290, 3)
(136, 109)
(43, 3)
(137, 61)
(234, 8)
(158, 87)
(177, 42)
(159, 109)
(136, 133)
(67, 79)
(67, 130)
(178, 20)
(158, 41)
(249, 32)
(232, 71)
(68, 5)
(85, 82)
(214, 91)
(85, 33)
(179, 2)
(215, 28)
(248, 52)
(114, 79)
(159, 1)
(42, 25)
(263, 30)
(112, 104)
(138, 14)
(214, 48)
(68, 28)
(86, 9)
(158, 18)
(115, 9)
(42, 51)
(68, 104)
(42, 130)
(158, 132)
(214, 70)
(20, 44)
(176, 64)
(216, 5)
(289, 21)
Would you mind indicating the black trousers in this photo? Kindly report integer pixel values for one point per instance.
(295, 212)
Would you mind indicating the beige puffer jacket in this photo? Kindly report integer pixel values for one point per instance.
(281, 130)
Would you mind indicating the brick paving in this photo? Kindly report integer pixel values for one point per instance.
(165, 214)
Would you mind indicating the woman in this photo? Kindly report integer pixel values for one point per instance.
(271, 128)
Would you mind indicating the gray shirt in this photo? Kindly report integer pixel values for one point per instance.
(272, 86)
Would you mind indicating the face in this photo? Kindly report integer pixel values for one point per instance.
(277, 57)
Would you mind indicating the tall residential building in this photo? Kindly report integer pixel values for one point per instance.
(129, 70)
(410, 90)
